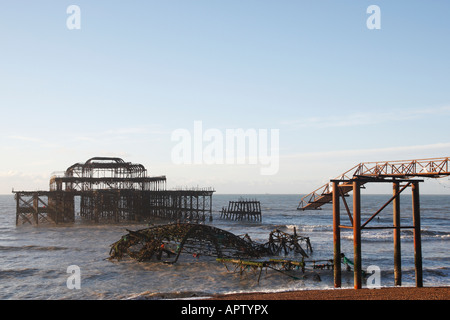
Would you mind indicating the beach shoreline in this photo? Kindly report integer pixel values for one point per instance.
(385, 293)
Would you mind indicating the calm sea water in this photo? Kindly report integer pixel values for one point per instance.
(34, 260)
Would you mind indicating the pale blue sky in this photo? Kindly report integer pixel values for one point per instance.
(338, 92)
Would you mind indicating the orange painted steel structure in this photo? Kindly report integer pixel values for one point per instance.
(395, 172)
(427, 168)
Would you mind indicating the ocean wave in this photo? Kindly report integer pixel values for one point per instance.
(314, 228)
(438, 271)
(372, 235)
(18, 273)
(298, 228)
(148, 295)
(31, 247)
(428, 234)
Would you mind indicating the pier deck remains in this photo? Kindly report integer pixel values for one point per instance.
(110, 189)
(242, 210)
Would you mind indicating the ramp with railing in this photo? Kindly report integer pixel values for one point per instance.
(404, 169)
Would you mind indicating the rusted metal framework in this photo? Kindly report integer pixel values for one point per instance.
(167, 242)
(37, 207)
(357, 226)
(242, 210)
(190, 204)
(282, 242)
(189, 238)
(101, 173)
(403, 169)
(110, 189)
(400, 174)
(282, 266)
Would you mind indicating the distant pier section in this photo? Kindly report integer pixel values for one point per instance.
(242, 210)
(106, 189)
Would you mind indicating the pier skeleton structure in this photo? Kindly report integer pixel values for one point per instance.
(110, 189)
(243, 209)
(402, 174)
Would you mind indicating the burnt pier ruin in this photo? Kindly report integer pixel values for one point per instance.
(242, 210)
(108, 189)
(171, 240)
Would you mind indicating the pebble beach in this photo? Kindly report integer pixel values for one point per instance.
(394, 293)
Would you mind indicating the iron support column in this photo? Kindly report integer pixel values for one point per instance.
(36, 208)
(397, 247)
(357, 233)
(336, 235)
(17, 208)
(417, 236)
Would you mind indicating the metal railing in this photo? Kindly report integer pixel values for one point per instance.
(431, 168)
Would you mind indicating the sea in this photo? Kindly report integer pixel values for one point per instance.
(36, 262)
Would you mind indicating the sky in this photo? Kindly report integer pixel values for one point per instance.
(135, 72)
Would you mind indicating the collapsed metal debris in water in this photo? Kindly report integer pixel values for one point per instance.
(168, 242)
(281, 241)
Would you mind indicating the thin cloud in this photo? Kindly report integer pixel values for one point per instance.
(366, 118)
(126, 131)
(113, 135)
(41, 142)
(445, 147)
(24, 138)
(152, 129)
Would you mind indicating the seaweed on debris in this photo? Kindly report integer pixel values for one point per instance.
(171, 240)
